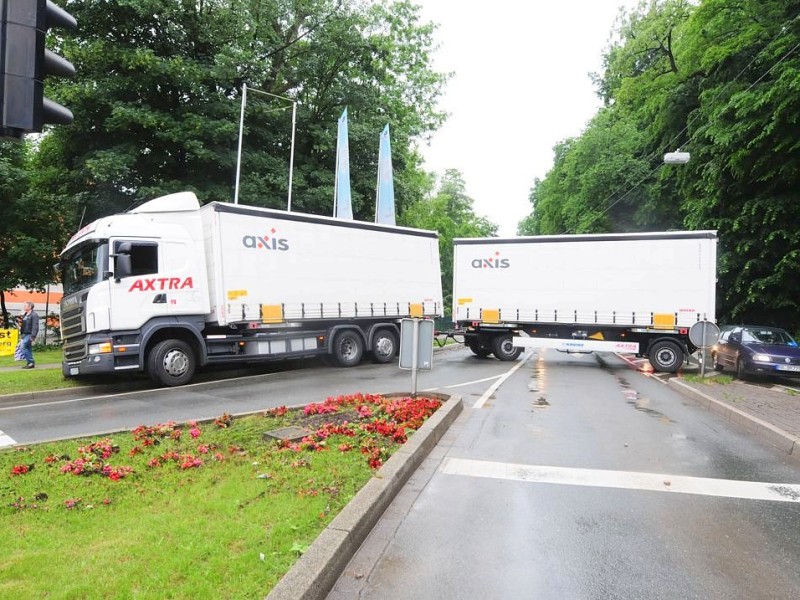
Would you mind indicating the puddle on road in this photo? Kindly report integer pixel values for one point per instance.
(640, 404)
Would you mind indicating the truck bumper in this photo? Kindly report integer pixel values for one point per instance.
(97, 364)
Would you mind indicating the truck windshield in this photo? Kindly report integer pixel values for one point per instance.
(84, 266)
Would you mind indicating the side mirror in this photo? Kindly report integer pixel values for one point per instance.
(122, 261)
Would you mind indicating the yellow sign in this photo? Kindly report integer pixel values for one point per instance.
(8, 341)
(236, 294)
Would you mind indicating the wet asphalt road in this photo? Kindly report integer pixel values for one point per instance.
(460, 531)
(82, 412)
(478, 520)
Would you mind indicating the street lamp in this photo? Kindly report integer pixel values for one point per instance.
(676, 158)
(241, 130)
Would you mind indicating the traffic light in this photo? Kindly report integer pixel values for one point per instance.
(25, 62)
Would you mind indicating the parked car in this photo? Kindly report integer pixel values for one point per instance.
(756, 350)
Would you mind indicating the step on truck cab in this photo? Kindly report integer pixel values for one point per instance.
(631, 292)
(171, 286)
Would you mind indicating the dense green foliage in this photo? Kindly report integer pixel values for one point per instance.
(157, 100)
(719, 79)
(450, 212)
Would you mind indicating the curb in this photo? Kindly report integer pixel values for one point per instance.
(318, 569)
(761, 429)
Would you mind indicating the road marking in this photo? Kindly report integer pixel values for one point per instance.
(132, 392)
(656, 482)
(482, 400)
(6, 440)
(455, 385)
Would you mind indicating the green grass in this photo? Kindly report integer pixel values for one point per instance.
(15, 380)
(228, 528)
(715, 380)
(52, 355)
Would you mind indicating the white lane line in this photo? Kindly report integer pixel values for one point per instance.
(482, 400)
(455, 385)
(6, 440)
(131, 393)
(727, 488)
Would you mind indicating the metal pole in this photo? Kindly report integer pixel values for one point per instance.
(239, 154)
(703, 352)
(414, 357)
(291, 156)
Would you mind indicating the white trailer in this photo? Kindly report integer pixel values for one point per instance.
(171, 286)
(640, 292)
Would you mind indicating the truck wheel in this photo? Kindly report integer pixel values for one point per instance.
(478, 349)
(504, 349)
(665, 356)
(348, 348)
(171, 363)
(384, 346)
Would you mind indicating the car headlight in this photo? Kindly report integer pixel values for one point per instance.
(762, 358)
(101, 348)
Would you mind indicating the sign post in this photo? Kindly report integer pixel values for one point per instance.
(416, 347)
(703, 334)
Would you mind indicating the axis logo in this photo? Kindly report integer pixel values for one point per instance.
(493, 262)
(266, 242)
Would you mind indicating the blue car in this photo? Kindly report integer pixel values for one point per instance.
(756, 350)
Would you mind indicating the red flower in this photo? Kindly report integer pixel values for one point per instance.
(21, 469)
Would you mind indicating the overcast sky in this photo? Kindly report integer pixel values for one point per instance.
(520, 85)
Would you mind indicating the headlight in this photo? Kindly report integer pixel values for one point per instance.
(102, 348)
(762, 358)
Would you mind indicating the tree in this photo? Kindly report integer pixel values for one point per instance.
(720, 80)
(157, 101)
(28, 229)
(450, 212)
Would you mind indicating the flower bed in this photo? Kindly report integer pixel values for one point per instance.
(242, 507)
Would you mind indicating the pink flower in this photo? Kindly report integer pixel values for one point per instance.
(194, 432)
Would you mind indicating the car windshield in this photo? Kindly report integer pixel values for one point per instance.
(84, 266)
(767, 335)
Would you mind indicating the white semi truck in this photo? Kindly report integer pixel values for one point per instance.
(639, 293)
(171, 286)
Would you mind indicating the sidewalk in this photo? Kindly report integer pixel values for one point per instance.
(769, 411)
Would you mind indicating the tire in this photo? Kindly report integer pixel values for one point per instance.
(715, 363)
(348, 348)
(384, 346)
(171, 363)
(741, 372)
(665, 356)
(479, 350)
(504, 349)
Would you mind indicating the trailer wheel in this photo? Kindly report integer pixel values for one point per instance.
(384, 346)
(478, 349)
(504, 349)
(348, 348)
(665, 356)
(171, 363)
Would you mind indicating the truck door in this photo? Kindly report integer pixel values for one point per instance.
(135, 290)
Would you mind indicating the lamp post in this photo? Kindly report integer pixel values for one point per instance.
(241, 135)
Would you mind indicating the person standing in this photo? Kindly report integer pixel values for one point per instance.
(29, 329)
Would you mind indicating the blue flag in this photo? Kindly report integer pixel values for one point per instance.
(342, 203)
(384, 202)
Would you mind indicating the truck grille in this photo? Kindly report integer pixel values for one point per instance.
(75, 349)
(73, 326)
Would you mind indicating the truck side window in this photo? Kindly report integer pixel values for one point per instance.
(144, 258)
